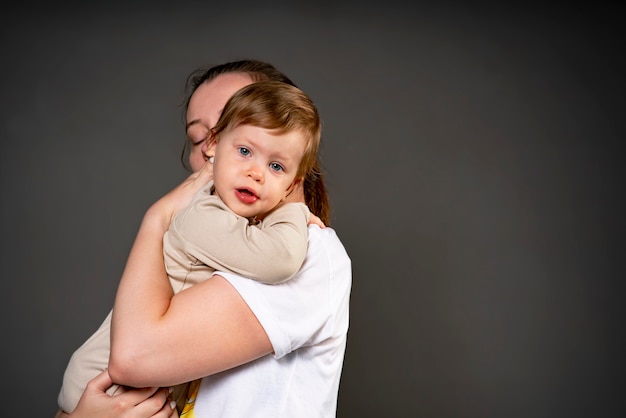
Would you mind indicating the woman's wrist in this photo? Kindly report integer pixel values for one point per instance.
(158, 217)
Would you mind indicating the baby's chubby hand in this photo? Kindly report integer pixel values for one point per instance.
(315, 220)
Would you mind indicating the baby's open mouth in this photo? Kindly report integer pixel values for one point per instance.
(245, 191)
(247, 196)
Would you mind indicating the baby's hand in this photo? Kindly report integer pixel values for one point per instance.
(315, 220)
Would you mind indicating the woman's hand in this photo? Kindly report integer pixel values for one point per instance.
(180, 197)
(129, 403)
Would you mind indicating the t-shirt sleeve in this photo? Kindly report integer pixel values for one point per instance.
(299, 312)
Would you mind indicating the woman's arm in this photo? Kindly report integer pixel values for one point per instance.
(162, 339)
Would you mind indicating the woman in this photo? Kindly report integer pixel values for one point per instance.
(262, 350)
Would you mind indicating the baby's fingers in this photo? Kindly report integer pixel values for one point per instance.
(315, 220)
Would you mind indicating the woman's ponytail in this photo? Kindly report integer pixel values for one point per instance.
(315, 193)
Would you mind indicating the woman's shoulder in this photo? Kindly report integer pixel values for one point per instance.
(326, 251)
(325, 238)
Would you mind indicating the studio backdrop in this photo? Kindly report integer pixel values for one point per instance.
(472, 159)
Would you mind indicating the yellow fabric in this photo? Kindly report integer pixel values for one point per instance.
(191, 400)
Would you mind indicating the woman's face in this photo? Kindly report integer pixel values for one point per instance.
(205, 108)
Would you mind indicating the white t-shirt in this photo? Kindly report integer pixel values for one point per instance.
(306, 319)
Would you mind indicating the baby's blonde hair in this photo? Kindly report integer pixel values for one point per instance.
(276, 106)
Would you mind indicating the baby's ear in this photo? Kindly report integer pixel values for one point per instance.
(211, 143)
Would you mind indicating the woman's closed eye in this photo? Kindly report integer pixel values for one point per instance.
(197, 134)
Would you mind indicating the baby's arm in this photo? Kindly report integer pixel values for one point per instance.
(270, 252)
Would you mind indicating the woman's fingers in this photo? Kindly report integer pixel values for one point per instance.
(173, 414)
(101, 382)
(158, 405)
(126, 403)
(181, 196)
(168, 410)
(206, 172)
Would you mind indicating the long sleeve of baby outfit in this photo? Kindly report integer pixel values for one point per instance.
(271, 251)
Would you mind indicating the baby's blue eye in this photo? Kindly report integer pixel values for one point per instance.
(276, 167)
(244, 151)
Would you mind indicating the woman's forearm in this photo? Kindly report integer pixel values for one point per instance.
(144, 292)
(143, 295)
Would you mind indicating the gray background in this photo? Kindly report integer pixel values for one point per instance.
(473, 160)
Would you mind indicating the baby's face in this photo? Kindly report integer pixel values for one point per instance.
(255, 168)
